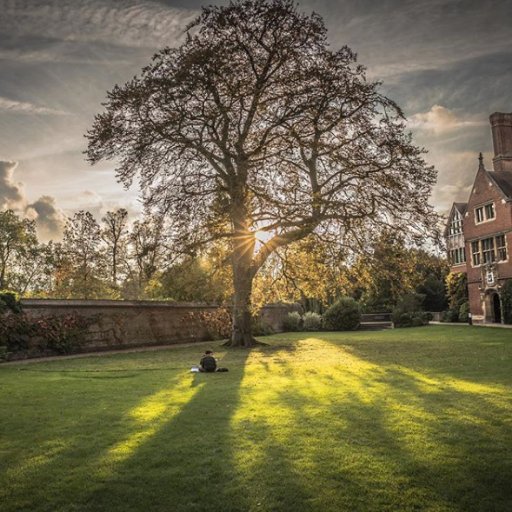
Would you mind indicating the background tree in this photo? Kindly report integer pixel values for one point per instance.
(390, 270)
(148, 254)
(17, 242)
(114, 234)
(28, 276)
(384, 273)
(310, 271)
(254, 124)
(195, 280)
(83, 260)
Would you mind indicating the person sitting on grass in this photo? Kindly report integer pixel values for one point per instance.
(208, 363)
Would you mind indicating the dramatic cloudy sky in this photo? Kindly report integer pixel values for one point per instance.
(448, 63)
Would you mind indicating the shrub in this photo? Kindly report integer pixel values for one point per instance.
(63, 334)
(506, 299)
(16, 332)
(50, 334)
(451, 315)
(410, 318)
(457, 289)
(464, 312)
(419, 318)
(9, 302)
(261, 328)
(217, 323)
(312, 321)
(343, 315)
(408, 311)
(292, 321)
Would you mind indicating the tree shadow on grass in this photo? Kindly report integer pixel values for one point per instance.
(182, 465)
(167, 445)
(473, 353)
(53, 444)
(190, 463)
(431, 442)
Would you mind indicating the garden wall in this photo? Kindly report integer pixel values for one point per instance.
(119, 324)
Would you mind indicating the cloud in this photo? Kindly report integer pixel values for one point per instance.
(439, 120)
(99, 205)
(12, 195)
(396, 36)
(50, 220)
(456, 175)
(475, 86)
(24, 107)
(124, 22)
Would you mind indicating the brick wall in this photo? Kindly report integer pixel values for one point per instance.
(118, 324)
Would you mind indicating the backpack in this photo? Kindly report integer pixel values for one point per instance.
(209, 363)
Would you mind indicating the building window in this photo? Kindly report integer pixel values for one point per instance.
(458, 256)
(501, 248)
(489, 250)
(483, 213)
(475, 250)
(488, 254)
(456, 224)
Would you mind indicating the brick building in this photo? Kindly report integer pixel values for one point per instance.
(479, 232)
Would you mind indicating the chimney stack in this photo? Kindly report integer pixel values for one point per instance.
(501, 125)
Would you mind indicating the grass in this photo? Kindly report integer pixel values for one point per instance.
(400, 420)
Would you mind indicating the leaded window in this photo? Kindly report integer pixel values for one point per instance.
(488, 254)
(501, 248)
(456, 224)
(475, 250)
(485, 212)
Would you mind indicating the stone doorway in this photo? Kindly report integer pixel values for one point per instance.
(496, 308)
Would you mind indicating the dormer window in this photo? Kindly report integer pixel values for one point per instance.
(485, 213)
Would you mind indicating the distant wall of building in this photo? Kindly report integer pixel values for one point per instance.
(120, 324)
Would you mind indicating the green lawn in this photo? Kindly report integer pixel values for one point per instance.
(400, 420)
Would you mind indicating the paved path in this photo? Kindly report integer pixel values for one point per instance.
(107, 352)
(504, 326)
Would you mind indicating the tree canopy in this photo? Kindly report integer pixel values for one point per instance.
(255, 125)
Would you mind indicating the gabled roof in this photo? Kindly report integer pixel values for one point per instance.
(461, 207)
(503, 180)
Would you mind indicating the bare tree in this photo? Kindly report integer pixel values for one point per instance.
(254, 125)
(114, 234)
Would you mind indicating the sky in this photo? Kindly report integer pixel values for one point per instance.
(447, 63)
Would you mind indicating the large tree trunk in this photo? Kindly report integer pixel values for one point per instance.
(243, 272)
(241, 335)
